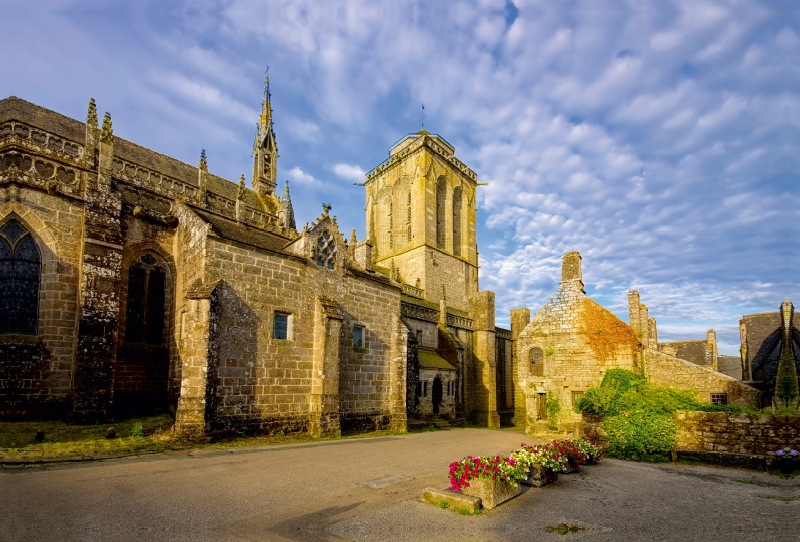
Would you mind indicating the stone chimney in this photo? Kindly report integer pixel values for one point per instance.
(571, 273)
(711, 349)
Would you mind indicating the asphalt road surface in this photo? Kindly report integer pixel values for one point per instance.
(369, 489)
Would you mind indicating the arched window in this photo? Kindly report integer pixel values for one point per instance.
(20, 276)
(457, 221)
(144, 315)
(537, 361)
(325, 250)
(441, 194)
(408, 217)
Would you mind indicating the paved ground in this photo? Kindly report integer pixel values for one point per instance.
(369, 489)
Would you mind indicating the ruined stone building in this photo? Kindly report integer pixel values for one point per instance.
(571, 341)
(132, 282)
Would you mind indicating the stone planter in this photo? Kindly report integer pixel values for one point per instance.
(570, 467)
(539, 475)
(492, 493)
(785, 466)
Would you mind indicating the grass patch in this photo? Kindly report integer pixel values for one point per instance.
(75, 442)
(153, 434)
(786, 499)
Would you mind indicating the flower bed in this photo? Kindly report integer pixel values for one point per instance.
(497, 479)
(494, 479)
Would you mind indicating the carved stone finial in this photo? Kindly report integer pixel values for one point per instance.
(326, 207)
(353, 238)
(204, 161)
(91, 115)
(242, 186)
(107, 133)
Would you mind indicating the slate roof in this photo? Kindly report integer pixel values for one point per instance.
(431, 359)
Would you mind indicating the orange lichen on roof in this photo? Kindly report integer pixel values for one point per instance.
(604, 332)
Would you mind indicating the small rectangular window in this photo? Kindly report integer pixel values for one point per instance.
(719, 398)
(424, 389)
(358, 337)
(576, 396)
(280, 328)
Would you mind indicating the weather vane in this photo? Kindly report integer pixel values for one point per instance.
(422, 118)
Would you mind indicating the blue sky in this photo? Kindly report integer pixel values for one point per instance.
(660, 139)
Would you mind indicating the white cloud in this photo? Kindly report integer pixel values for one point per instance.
(657, 140)
(351, 173)
(301, 177)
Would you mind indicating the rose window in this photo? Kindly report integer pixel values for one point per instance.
(325, 251)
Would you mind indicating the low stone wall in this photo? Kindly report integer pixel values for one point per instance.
(736, 433)
(664, 370)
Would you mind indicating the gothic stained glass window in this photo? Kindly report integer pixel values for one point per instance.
(325, 250)
(20, 274)
(145, 309)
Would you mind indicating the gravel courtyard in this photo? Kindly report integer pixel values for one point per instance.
(368, 489)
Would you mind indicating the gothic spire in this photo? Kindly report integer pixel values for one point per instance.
(287, 209)
(265, 149)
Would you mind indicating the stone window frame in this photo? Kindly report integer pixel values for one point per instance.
(150, 264)
(276, 318)
(130, 256)
(13, 245)
(719, 398)
(324, 251)
(577, 395)
(536, 361)
(361, 344)
(441, 212)
(408, 217)
(457, 214)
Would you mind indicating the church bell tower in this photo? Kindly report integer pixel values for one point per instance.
(421, 220)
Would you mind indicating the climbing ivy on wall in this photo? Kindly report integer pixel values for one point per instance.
(552, 407)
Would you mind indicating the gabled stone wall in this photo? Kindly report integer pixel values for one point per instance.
(664, 370)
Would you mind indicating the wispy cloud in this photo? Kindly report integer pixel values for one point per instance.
(659, 139)
(349, 172)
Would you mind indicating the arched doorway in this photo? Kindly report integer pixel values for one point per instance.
(436, 395)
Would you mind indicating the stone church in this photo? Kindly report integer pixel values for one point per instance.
(131, 282)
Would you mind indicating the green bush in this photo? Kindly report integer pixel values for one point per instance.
(636, 414)
(640, 434)
(622, 380)
(597, 401)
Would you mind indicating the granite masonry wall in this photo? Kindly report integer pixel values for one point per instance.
(736, 433)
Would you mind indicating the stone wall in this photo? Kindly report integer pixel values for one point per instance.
(265, 383)
(736, 433)
(664, 370)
